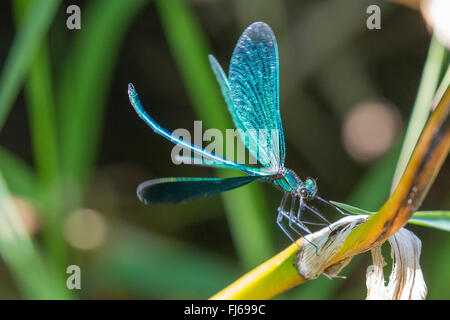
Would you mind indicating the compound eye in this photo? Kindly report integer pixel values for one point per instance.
(304, 193)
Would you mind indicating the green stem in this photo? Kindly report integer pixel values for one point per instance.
(41, 109)
(421, 109)
(18, 175)
(26, 43)
(19, 253)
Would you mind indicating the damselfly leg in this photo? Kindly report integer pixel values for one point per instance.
(317, 213)
(294, 222)
(299, 215)
(333, 206)
(294, 225)
(281, 214)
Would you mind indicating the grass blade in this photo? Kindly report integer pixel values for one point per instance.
(421, 109)
(86, 79)
(41, 111)
(41, 106)
(26, 44)
(352, 209)
(434, 219)
(177, 269)
(18, 175)
(20, 255)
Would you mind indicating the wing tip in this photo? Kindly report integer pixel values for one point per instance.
(140, 191)
(259, 24)
(257, 32)
(212, 61)
(259, 27)
(131, 90)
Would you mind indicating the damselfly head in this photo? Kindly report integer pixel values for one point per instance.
(308, 189)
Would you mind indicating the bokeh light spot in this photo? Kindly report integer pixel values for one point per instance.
(437, 15)
(85, 229)
(369, 130)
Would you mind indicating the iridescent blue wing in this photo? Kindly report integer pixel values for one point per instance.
(223, 83)
(252, 94)
(176, 190)
(254, 88)
(211, 158)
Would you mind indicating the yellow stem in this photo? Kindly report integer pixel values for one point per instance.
(279, 273)
(267, 280)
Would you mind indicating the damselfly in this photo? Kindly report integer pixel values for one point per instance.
(251, 92)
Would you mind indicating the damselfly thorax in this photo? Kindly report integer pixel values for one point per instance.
(288, 181)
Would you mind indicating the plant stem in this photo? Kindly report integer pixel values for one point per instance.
(41, 110)
(26, 43)
(421, 109)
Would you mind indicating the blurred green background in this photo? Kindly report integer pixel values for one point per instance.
(72, 150)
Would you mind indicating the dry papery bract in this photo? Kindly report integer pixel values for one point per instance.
(406, 280)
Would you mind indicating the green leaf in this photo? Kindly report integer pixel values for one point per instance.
(434, 64)
(18, 175)
(351, 209)
(434, 219)
(27, 42)
(20, 254)
(85, 81)
(148, 265)
(41, 113)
